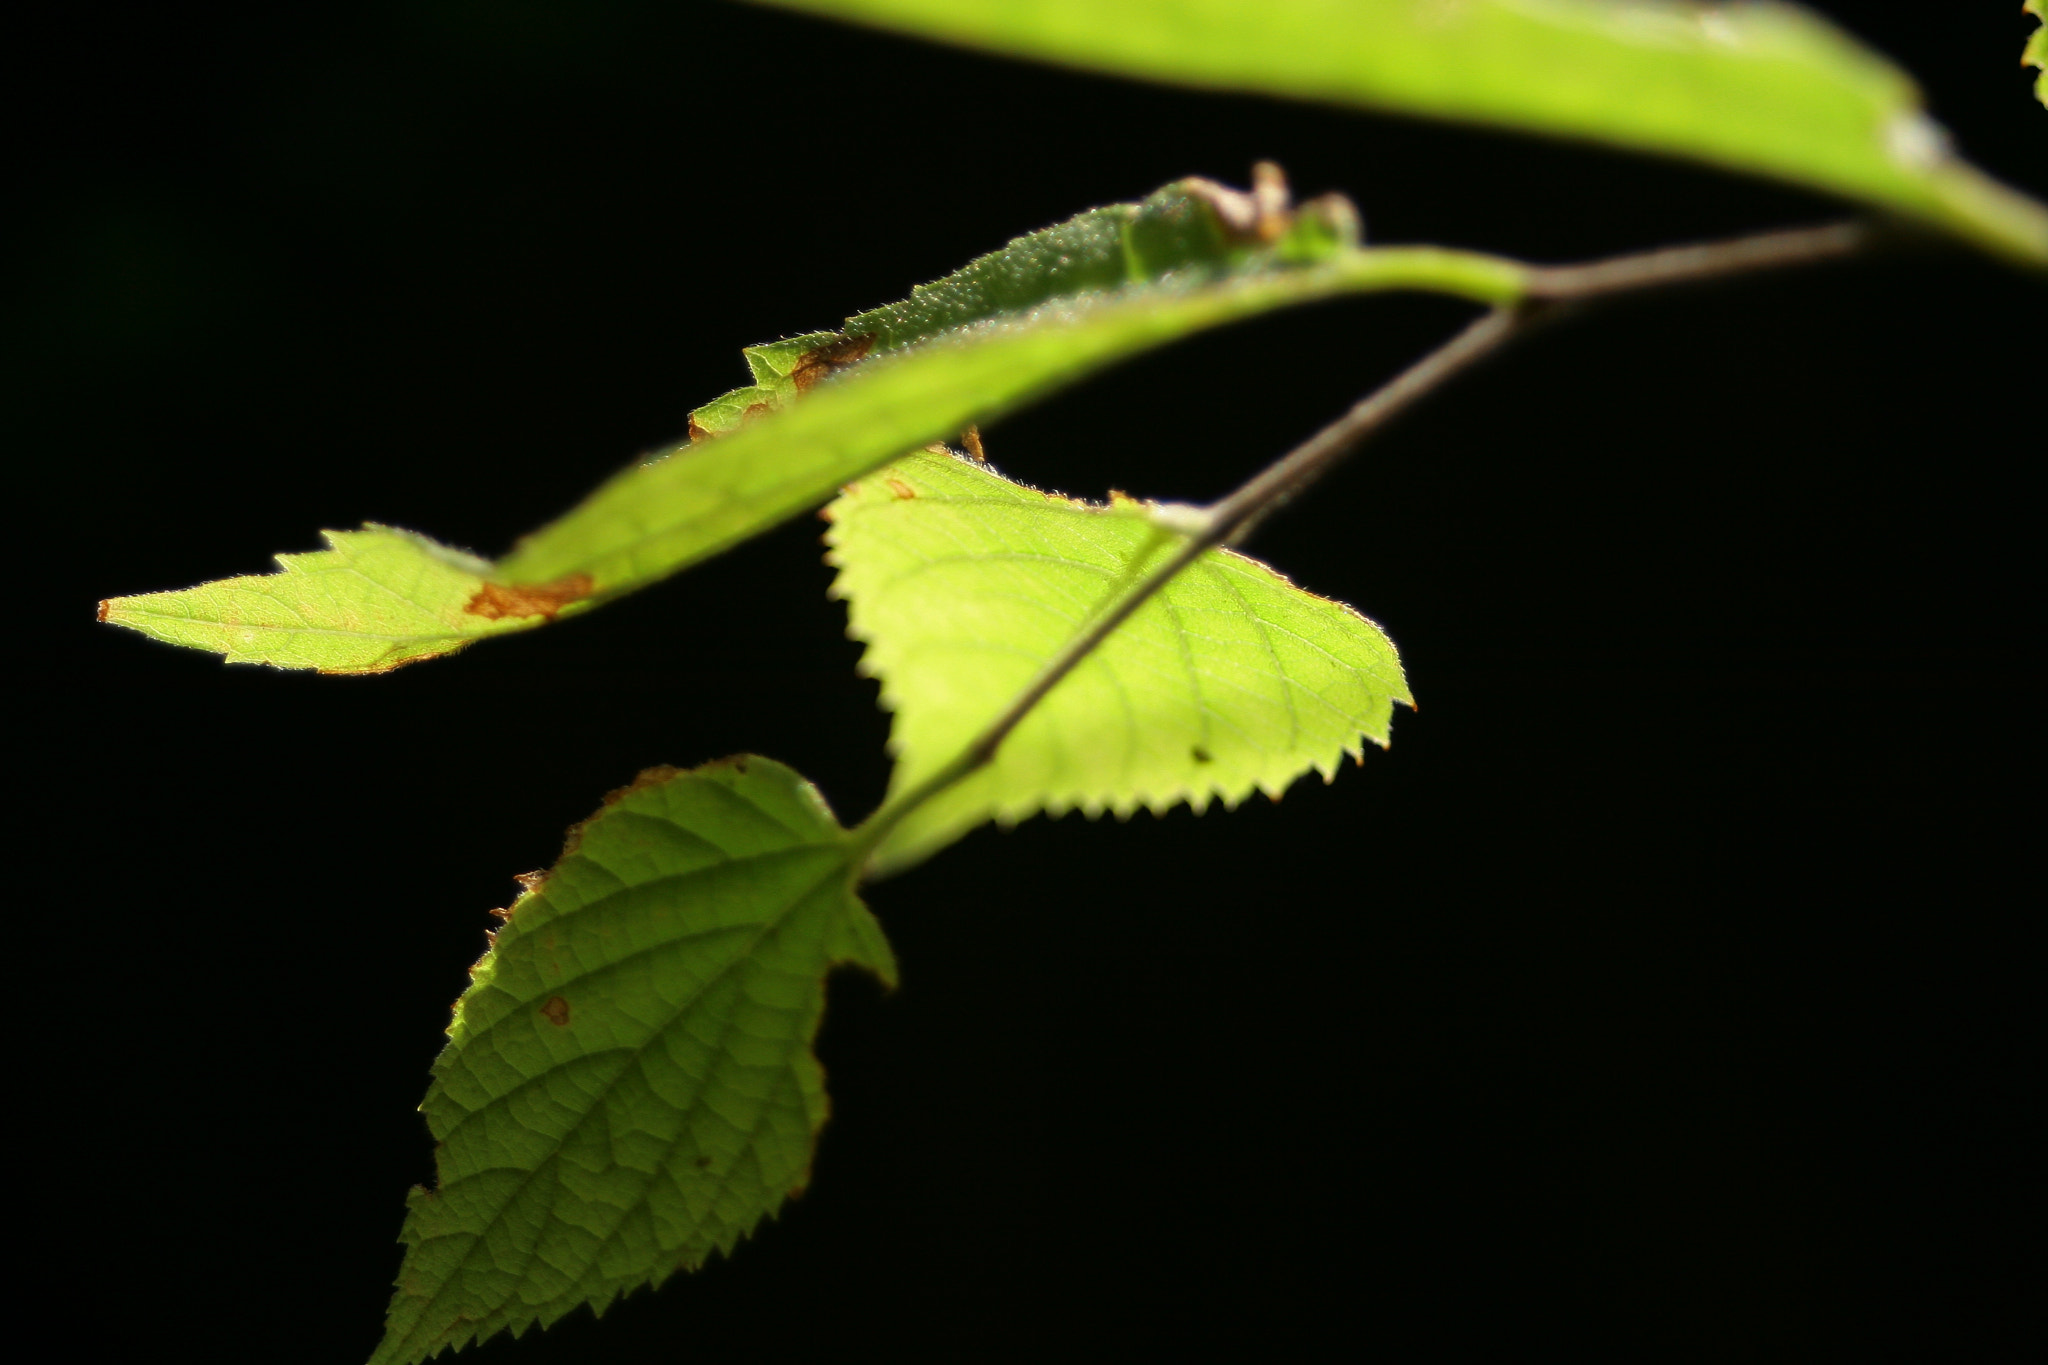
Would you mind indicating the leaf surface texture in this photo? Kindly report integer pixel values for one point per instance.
(964, 584)
(628, 1084)
(373, 600)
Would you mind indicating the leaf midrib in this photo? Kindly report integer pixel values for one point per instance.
(477, 1236)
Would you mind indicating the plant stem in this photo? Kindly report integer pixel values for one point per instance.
(1233, 518)
(1549, 287)
(1702, 261)
(1208, 528)
(1230, 519)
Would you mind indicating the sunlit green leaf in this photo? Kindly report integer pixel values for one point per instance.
(378, 598)
(661, 516)
(1760, 87)
(1005, 330)
(1231, 680)
(628, 1084)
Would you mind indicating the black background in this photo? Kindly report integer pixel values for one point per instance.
(1657, 995)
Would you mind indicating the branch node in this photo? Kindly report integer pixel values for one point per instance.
(1182, 518)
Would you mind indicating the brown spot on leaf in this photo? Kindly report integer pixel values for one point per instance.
(702, 1162)
(820, 361)
(901, 489)
(106, 604)
(556, 1011)
(756, 411)
(531, 882)
(1201, 755)
(697, 431)
(970, 441)
(496, 601)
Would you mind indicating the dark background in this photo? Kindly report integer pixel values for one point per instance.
(1657, 996)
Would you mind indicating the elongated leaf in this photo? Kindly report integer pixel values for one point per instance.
(1191, 231)
(628, 1084)
(964, 584)
(652, 520)
(382, 598)
(378, 598)
(1760, 87)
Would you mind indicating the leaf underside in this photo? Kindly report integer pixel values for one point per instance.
(963, 584)
(1761, 87)
(629, 1085)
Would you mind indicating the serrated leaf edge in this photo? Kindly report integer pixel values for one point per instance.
(533, 885)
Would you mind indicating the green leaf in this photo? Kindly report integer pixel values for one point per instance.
(629, 1085)
(671, 512)
(380, 597)
(775, 367)
(1760, 87)
(963, 354)
(963, 585)
(1190, 231)
(2036, 53)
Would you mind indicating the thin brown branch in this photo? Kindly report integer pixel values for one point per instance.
(1229, 520)
(1280, 482)
(1702, 261)
(1207, 528)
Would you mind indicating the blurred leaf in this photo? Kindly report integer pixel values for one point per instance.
(2036, 54)
(1762, 87)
